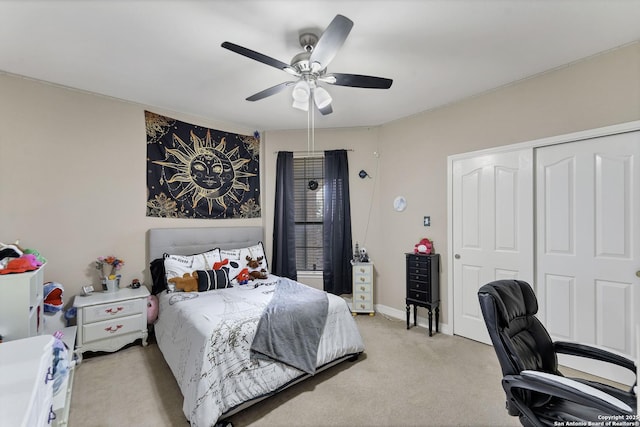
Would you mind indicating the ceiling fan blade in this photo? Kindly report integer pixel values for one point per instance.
(356, 80)
(331, 40)
(271, 91)
(256, 56)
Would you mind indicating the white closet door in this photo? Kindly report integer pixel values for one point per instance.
(492, 199)
(588, 237)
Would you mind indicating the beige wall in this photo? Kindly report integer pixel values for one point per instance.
(602, 90)
(73, 180)
(73, 184)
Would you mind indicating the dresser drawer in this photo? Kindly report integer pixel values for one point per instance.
(361, 296)
(416, 261)
(363, 306)
(359, 288)
(415, 285)
(109, 311)
(362, 274)
(418, 296)
(112, 327)
(419, 277)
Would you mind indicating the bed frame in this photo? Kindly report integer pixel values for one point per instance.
(187, 241)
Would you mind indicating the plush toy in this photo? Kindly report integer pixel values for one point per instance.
(243, 276)
(52, 292)
(188, 282)
(33, 260)
(255, 271)
(219, 265)
(424, 246)
(152, 308)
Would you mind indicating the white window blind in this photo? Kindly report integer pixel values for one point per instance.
(307, 173)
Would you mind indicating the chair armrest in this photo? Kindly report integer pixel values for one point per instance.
(564, 388)
(596, 353)
(573, 386)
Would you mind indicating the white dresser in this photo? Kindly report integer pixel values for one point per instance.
(26, 382)
(62, 399)
(21, 304)
(362, 288)
(107, 321)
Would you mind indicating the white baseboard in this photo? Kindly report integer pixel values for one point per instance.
(402, 315)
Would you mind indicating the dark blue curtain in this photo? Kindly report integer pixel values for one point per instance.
(337, 224)
(283, 262)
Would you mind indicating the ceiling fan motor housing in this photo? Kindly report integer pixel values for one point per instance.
(308, 41)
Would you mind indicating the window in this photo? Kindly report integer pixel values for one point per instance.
(308, 182)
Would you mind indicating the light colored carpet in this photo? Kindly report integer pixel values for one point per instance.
(405, 378)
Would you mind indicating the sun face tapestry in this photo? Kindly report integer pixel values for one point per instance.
(195, 172)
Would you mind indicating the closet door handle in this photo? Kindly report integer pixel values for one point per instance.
(457, 256)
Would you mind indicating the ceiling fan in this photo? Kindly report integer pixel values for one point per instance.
(310, 66)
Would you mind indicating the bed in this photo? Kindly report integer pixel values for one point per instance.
(211, 339)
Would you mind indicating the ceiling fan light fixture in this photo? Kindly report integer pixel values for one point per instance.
(321, 97)
(301, 92)
(301, 105)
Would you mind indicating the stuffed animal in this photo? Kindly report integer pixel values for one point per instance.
(243, 276)
(219, 265)
(33, 260)
(188, 282)
(424, 246)
(255, 271)
(152, 308)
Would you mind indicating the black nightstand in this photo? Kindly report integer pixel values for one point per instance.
(423, 286)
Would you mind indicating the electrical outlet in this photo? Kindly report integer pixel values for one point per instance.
(427, 221)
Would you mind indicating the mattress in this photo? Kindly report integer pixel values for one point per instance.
(205, 338)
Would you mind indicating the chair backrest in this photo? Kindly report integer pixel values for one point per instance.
(521, 342)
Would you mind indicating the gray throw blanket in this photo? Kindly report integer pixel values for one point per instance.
(290, 328)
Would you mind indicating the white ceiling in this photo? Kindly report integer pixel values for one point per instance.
(167, 53)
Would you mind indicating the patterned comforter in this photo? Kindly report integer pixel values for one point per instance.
(206, 337)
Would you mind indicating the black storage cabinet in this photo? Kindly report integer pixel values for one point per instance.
(423, 286)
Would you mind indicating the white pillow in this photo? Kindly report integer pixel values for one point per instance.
(254, 252)
(238, 258)
(235, 265)
(178, 265)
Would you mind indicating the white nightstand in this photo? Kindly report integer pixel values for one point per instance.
(107, 321)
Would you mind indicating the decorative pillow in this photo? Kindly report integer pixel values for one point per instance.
(238, 258)
(158, 276)
(235, 263)
(178, 265)
(254, 252)
(209, 280)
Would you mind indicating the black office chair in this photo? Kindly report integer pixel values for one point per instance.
(536, 391)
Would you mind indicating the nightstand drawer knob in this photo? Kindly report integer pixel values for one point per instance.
(112, 329)
(114, 311)
(362, 288)
(362, 279)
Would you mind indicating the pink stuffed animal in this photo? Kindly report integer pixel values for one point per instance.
(424, 246)
(32, 260)
(152, 308)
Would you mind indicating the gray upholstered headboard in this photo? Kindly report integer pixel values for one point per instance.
(188, 241)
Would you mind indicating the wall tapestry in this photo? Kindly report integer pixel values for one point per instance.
(195, 172)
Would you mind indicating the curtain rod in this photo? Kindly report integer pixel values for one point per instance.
(315, 152)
